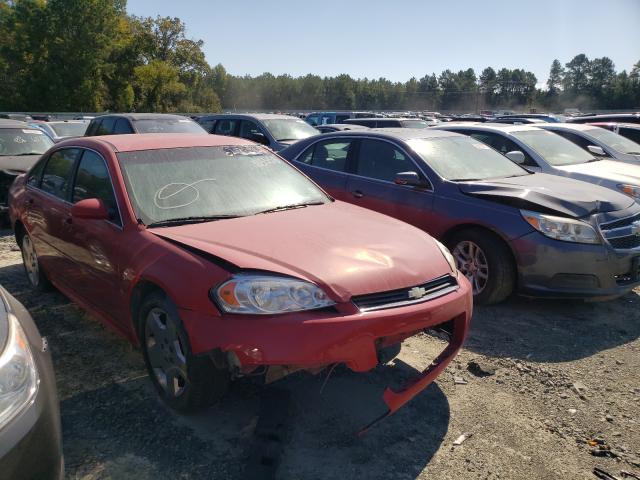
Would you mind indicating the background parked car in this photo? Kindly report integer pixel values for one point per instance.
(321, 118)
(274, 131)
(508, 229)
(124, 123)
(609, 117)
(20, 147)
(517, 120)
(543, 151)
(537, 116)
(61, 129)
(20, 117)
(627, 130)
(388, 122)
(30, 433)
(339, 127)
(611, 144)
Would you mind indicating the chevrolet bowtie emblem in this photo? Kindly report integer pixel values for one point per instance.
(417, 292)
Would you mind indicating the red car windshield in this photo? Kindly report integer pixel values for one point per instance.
(208, 182)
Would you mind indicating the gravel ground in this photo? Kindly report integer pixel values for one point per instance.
(561, 383)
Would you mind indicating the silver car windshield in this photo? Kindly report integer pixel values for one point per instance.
(23, 141)
(69, 129)
(225, 181)
(463, 159)
(553, 148)
(615, 141)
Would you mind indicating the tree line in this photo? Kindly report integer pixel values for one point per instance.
(90, 55)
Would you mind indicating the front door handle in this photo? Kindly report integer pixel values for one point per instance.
(357, 194)
(68, 220)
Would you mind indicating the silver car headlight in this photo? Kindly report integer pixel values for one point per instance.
(560, 228)
(447, 256)
(631, 190)
(18, 373)
(267, 295)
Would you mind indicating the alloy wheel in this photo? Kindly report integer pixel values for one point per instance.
(472, 262)
(30, 260)
(166, 352)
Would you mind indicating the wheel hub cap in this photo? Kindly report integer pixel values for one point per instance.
(472, 262)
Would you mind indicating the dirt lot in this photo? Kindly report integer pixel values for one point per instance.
(565, 373)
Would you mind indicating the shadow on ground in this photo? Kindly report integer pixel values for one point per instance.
(554, 330)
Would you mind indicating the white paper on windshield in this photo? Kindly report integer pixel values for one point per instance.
(37, 132)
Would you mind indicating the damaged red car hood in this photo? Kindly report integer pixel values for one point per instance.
(342, 247)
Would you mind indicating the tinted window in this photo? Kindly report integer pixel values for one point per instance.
(57, 173)
(122, 127)
(207, 125)
(330, 154)
(248, 129)
(225, 127)
(381, 160)
(106, 126)
(632, 134)
(341, 118)
(35, 173)
(313, 120)
(93, 127)
(93, 181)
(501, 144)
(614, 141)
(289, 129)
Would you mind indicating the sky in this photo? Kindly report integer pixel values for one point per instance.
(400, 39)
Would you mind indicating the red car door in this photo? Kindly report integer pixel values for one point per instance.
(49, 212)
(97, 246)
(372, 186)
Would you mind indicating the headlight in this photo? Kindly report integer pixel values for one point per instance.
(560, 228)
(447, 256)
(265, 295)
(18, 374)
(631, 190)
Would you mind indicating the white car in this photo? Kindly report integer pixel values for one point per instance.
(544, 151)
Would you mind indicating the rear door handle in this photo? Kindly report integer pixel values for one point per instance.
(357, 194)
(28, 202)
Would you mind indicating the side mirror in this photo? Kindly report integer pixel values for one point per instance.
(411, 179)
(516, 156)
(260, 138)
(596, 150)
(90, 209)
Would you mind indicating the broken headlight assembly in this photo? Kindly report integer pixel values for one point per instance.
(560, 228)
(268, 295)
(18, 373)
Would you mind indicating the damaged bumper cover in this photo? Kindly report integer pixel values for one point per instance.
(344, 335)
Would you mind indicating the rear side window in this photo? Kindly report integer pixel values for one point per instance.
(93, 181)
(225, 127)
(106, 126)
(382, 161)
(93, 127)
(56, 178)
(631, 133)
(207, 125)
(330, 154)
(248, 129)
(122, 127)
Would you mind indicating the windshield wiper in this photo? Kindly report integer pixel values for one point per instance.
(172, 222)
(466, 179)
(289, 207)
(285, 139)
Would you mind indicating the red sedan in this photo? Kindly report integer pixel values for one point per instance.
(220, 259)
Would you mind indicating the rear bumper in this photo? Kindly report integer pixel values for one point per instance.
(551, 268)
(315, 340)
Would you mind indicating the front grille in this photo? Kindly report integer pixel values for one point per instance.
(623, 234)
(396, 298)
(625, 242)
(623, 222)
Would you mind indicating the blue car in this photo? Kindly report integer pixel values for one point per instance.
(509, 229)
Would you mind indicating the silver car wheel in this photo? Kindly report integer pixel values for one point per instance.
(30, 260)
(472, 262)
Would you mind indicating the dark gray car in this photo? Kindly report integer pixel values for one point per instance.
(20, 148)
(30, 433)
(125, 123)
(272, 130)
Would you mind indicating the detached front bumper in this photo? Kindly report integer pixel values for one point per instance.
(556, 269)
(314, 340)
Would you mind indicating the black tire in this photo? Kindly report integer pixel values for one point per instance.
(386, 354)
(501, 275)
(203, 383)
(32, 268)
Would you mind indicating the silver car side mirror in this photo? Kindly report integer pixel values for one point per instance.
(516, 156)
(596, 150)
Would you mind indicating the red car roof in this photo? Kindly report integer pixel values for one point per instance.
(153, 141)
